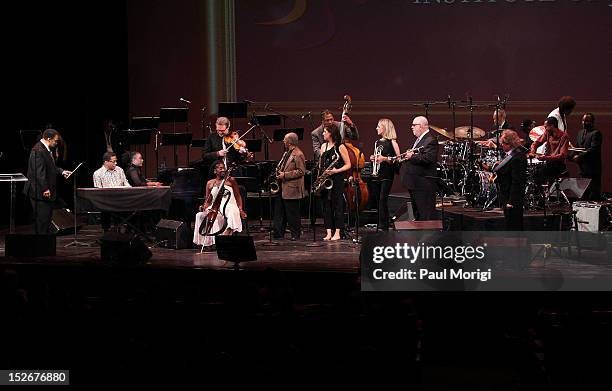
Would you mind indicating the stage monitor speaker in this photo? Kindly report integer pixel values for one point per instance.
(591, 216)
(30, 245)
(173, 234)
(116, 247)
(62, 222)
(573, 187)
(235, 249)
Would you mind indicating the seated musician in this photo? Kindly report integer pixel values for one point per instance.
(231, 206)
(555, 143)
(327, 118)
(134, 172)
(109, 175)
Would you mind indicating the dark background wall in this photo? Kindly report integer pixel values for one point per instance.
(63, 64)
(74, 64)
(303, 56)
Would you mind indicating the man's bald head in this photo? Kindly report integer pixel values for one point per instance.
(419, 126)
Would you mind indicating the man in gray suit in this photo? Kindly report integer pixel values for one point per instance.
(350, 131)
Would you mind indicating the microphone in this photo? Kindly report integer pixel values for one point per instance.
(305, 115)
(448, 100)
(185, 100)
(248, 101)
(204, 109)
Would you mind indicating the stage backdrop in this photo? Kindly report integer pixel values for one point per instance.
(301, 56)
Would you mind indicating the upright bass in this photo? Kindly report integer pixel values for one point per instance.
(354, 184)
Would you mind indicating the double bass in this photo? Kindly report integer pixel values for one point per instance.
(356, 202)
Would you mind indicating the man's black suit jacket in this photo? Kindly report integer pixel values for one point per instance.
(42, 173)
(421, 165)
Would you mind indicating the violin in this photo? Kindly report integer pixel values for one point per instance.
(235, 141)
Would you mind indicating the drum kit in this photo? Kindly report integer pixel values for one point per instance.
(466, 163)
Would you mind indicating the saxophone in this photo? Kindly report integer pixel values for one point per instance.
(274, 182)
(323, 181)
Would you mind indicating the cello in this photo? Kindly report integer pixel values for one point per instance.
(356, 202)
(213, 212)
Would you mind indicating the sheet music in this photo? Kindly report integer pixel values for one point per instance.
(76, 168)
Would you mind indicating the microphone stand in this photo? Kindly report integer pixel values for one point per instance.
(311, 213)
(75, 242)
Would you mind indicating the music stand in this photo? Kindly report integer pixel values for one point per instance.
(173, 114)
(198, 142)
(268, 119)
(235, 249)
(254, 145)
(75, 242)
(144, 123)
(232, 109)
(175, 139)
(279, 134)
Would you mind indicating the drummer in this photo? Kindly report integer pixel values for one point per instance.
(556, 143)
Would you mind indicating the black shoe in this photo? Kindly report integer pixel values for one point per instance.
(294, 238)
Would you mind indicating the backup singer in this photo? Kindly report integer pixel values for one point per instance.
(233, 211)
(590, 161)
(511, 179)
(291, 177)
(327, 118)
(419, 171)
(383, 181)
(41, 186)
(332, 199)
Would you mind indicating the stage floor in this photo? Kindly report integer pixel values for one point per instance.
(341, 256)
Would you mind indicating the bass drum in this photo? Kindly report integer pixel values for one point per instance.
(480, 190)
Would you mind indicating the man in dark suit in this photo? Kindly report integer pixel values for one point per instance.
(419, 170)
(590, 161)
(42, 180)
(511, 177)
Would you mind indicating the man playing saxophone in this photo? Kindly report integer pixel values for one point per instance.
(290, 174)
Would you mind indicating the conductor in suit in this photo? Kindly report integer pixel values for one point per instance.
(419, 170)
(41, 186)
(511, 178)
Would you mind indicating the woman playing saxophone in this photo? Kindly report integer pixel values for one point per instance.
(332, 199)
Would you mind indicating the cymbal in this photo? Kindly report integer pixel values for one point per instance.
(463, 132)
(441, 131)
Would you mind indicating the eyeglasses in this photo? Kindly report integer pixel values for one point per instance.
(416, 124)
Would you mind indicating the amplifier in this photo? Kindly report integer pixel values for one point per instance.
(591, 216)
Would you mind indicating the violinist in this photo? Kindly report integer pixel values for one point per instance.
(511, 176)
(385, 148)
(327, 118)
(231, 207)
(217, 143)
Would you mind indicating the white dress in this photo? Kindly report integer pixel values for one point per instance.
(232, 213)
